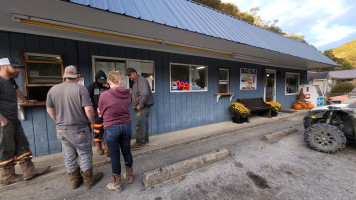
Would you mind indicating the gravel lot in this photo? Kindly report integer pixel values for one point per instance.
(286, 169)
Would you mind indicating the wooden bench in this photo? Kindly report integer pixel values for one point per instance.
(257, 105)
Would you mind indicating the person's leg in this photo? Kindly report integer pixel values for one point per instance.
(98, 132)
(125, 139)
(147, 114)
(112, 135)
(82, 142)
(24, 154)
(69, 152)
(140, 127)
(7, 155)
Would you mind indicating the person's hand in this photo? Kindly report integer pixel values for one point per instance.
(91, 127)
(138, 108)
(106, 85)
(31, 101)
(3, 121)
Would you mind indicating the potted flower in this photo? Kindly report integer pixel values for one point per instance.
(275, 107)
(240, 112)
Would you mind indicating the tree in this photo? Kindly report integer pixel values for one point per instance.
(345, 65)
(211, 3)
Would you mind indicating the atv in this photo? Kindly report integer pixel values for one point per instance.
(327, 128)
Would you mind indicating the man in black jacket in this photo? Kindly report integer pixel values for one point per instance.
(95, 89)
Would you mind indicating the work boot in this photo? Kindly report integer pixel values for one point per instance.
(89, 179)
(28, 169)
(99, 149)
(76, 178)
(116, 185)
(8, 175)
(128, 176)
(136, 147)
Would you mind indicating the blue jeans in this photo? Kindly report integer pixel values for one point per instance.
(118, 137)
(142, 125)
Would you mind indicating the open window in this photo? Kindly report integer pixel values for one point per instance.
(142, 67)
(42, 71)
(188, 78)
(292, 83)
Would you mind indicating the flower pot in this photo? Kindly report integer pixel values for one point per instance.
(238, 119)
(274, 113)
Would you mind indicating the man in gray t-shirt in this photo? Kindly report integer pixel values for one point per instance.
(70, 107)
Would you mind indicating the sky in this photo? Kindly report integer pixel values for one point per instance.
(325, 24)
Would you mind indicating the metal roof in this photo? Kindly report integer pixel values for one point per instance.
(194, 17)
(344, 74)
(318, 75)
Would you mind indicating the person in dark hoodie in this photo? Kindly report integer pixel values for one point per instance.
(95, 89)
(114, 105)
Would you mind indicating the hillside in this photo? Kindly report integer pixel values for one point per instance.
(347, 51)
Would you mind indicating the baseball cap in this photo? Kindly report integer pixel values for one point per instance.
(9, 61)
(71, 71)
(129, 71)
(101, 79)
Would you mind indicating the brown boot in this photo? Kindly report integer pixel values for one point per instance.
(136, 146)
(8, 175)
(28, 169)
(128, 176)
(116, 185)
(76, 178)
(89, 179)
(99, 149)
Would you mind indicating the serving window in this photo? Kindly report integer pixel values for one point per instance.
(188, 77)
(142, 67)
(42, 72)
(292, 83)
(224, 81)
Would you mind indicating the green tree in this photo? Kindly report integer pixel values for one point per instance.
(345, 65)
(211, 3)
(343, 87)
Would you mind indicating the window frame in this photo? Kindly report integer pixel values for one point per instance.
(285, 83)
(123, 73)
(228, 80)
(190, 76)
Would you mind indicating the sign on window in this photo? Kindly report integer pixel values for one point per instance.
(248, 79)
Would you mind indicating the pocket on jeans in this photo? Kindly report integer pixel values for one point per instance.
(81, 137)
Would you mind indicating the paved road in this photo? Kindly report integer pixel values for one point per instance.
(286, 169)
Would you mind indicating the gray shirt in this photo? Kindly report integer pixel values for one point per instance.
(8, 98)
(141, 93)
(68, 100)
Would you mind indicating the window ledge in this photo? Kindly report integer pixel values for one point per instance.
(218, 95)
(21, 108)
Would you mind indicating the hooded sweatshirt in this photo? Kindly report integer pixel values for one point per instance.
(114, 106)
(96, 89)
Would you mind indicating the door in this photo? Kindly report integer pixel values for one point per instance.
(270, 88)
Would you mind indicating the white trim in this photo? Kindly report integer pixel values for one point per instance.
(190, 85)
(285, 83)
(228, 78)
(126, 60)
(274, 86)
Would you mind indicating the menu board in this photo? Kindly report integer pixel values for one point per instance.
(248, 79)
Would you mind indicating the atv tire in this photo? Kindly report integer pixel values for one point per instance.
(324, 138)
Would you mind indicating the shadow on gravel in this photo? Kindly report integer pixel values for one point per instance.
(258, 180)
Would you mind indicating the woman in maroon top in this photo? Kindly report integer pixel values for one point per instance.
(114, 106)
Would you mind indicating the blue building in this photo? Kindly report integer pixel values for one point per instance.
(197, 59)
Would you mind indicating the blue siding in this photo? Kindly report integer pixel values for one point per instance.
(172, 111)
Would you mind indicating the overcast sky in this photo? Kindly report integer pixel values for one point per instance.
(325, 24)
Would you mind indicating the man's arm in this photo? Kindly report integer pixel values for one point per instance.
(89, 111)
(51, 113)
(23, 98)
(3, 120)
(142, 87)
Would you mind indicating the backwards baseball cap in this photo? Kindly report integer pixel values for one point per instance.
(129, 71)
(71, 71)
(9, 61)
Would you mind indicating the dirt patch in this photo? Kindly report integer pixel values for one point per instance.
(258, 180)
(238, 164)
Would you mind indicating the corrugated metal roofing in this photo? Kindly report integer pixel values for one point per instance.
(194, 17)
(318, 75)
(345, 74)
